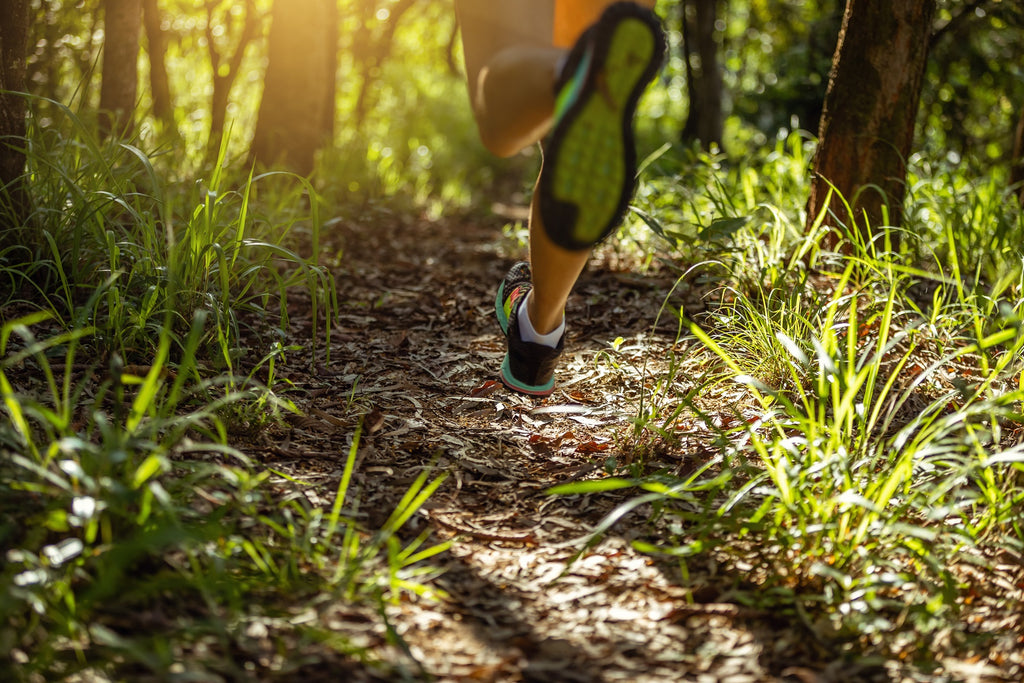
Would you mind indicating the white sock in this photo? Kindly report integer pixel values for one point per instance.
(528, 334)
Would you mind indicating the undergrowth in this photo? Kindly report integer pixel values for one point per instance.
(869, 453)
(142, 325)
(872, 453)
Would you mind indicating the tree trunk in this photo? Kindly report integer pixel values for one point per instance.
(288, 129)
(378, 52)
(867, 126)
(704, 78)
(331, 98)
(1017, 161)
(13, 46)
(120, 80)
(159, 83)
(226, 69)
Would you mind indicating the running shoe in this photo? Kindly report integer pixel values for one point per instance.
(527, 367)
(590, 161)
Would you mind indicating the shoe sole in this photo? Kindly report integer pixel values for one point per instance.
(586, 191)
(511, 382)
(505, 375)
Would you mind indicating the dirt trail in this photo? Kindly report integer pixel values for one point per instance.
(416, 346)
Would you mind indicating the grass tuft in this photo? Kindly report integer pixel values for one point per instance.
(868, 404)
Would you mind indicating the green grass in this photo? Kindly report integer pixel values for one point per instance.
(138, 540)
(113, 246)
(131, 506)
(870, 446)
(864, 410)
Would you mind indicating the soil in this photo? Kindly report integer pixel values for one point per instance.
(413, 358)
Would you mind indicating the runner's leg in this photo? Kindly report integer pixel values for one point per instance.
(512, 67)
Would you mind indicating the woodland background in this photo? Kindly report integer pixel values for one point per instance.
(788, 442)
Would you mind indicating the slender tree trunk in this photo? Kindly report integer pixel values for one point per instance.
(1017, 162)
(159, 83)
(704, 120)
(85, 59)
(226, 69)
(378, 53)
(47, 67)
(120, 80)
(867, 126)
(13, 46)
(449, 52)
(331, 99)
(289, 127)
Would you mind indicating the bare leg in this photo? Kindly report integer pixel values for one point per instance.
(513, 98)
(555, 271)
(512, 67)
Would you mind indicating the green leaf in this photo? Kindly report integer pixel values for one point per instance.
(149, 467)
(653, 224)
(722, 229)
(591, 486)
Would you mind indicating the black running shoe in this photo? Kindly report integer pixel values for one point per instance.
(589, 158)
(527, 367)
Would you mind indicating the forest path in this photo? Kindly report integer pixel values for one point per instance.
(412, 358)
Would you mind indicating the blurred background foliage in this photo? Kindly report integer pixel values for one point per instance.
(402, 122)
(168, 257)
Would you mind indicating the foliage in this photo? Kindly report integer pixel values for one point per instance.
(115, 247)
(131, 310)
(404, 128)
(872, 445)
(974, 86)
(114, 509)
(419, 143)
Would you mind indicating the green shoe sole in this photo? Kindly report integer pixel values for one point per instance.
(590, 158)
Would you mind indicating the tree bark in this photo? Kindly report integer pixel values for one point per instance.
(120, 80)
(225, 69)
(13, 46)
(289, 126)
(159, 83)
(704, 80)
(867, 126)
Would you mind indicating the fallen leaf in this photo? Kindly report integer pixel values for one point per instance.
(373, 421)
(485, 389)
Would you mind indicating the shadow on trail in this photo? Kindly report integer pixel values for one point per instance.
(417, 341)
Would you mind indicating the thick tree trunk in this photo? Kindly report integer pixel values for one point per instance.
(118, 91)
(867, 126)
(13, 45)
(704, 120)
(289, 127)
(159, 83)
(1017, 167)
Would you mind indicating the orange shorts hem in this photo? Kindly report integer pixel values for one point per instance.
(572, 17)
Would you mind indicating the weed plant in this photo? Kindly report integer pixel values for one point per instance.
(112, 246)
(873, 446)
(137, 541)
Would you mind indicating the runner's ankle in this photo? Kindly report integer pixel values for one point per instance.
(528, 332)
